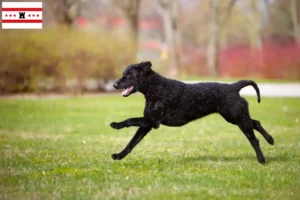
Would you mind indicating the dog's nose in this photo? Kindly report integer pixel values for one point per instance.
(115, 85)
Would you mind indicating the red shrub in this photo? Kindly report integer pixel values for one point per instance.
(272, 61)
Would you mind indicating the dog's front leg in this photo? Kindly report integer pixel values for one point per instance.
(140, 121)
(155, 114)
(139, 135)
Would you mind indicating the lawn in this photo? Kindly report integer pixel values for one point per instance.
(60, 149)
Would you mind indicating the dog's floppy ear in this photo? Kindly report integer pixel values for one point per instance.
(144, 66)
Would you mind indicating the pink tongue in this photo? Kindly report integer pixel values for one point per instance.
(126, 91)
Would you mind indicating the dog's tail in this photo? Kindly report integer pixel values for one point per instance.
(243, 83)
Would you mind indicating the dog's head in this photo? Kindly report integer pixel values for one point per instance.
(129, 81)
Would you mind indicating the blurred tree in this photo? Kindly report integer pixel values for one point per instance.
(193, 21)
(216, 26)
(254, 16)
(280, 24)
(131, 10)
(65, 11)
(255, 20)
(171, 34)
(295, 13)
(238, 29)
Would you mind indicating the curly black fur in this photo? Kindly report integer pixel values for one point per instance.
(174, 103)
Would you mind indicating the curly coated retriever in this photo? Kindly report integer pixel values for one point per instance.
(174, 103)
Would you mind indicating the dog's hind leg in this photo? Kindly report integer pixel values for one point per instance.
(246, 126)
(239, 114)
(139, 135)
(257, 126)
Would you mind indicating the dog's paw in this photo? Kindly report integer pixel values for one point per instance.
(270, 140)
(261, 160)
(156, 125)
(116, 156)
(116, 125)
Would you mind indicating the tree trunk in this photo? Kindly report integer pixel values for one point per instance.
(214, 41)
(131, 9)
(170, 19)
(134, 27)
(216, 27)
(65, 11)
(295, 10)
(258, 23)
(176, 38)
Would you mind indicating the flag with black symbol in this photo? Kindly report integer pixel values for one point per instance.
(22, 15)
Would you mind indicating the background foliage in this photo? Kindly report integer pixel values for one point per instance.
(61, 60)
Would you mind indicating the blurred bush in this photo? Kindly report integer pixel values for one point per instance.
(272, 61)
(61, 60)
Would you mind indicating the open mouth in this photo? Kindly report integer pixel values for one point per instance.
(127, 91)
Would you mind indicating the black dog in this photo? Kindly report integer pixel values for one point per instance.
(174, 103)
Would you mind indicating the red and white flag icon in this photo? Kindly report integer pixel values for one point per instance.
(22, 15)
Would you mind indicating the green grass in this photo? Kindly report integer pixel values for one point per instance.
(60, 149)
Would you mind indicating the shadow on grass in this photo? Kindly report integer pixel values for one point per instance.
(269, 159)
(217, 158)
(160, 162)
(179, 160)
